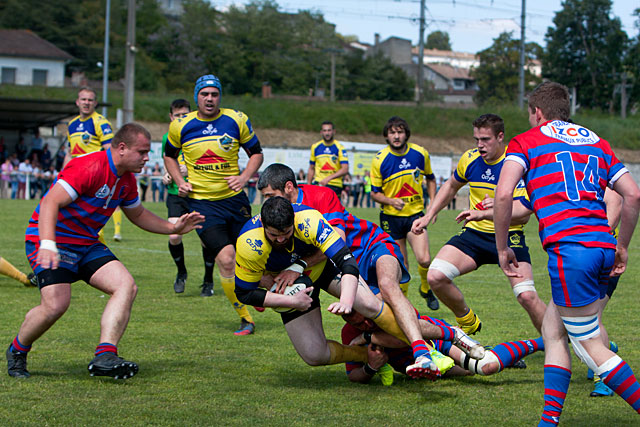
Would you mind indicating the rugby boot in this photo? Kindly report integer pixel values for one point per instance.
(17, 364)
(468, 345)
(110, 365)
(178, 285)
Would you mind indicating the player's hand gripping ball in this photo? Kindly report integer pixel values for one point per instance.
(299, 285)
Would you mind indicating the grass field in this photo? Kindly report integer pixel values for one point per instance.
(193, 371)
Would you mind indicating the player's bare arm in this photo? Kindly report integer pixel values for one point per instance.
(173, 168)
(149, 221)
(50, 206)
(441, 199)
(503, 204)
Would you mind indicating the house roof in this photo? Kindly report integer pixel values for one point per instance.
(24, 43)
(450, 72)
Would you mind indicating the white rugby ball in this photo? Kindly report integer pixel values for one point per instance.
(289, 290)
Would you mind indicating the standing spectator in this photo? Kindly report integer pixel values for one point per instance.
(34, 178)
(61, 154)
(45, 158)
(143, 180)
(156, 182)
(301, 177)
(36, 145)
(21, 149)
(328, 163)
(13, 159)
(346, 190)
(356, 189)
(47, 177)
(251, 186)
(367, 189)
(25, 169)
(5, 178)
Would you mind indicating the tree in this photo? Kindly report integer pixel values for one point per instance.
(585, 50)
(632, 63)
(438, 40)
(497, 75)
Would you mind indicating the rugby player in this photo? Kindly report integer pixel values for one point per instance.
(62, 247)
(566, 168)
(209, 139)
(397, 173)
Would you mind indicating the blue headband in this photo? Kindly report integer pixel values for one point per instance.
(208, 80)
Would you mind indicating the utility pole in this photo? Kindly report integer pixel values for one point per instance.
(130, 63)
(105, 60)
(333, 76)
(421, 52)
(521, 78)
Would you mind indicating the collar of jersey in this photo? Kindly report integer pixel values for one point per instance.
(112, 165)
(209, 120)
(399, 155)
(501, 158)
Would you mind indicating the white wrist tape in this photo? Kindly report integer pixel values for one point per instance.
(49, 245)
(296, 267)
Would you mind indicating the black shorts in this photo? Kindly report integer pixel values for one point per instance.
(223, 220)
(328, 274)
(613, 284)
(398, 226)
(482, 246)
(177, 206)
(62, 275)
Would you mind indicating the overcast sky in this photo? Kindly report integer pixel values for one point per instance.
(472, 24)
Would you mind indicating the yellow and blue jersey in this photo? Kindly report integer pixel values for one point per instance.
(255, 257)
(210, 149)
(89, 135)
(400, 176)
(482, 178)
(327, 159)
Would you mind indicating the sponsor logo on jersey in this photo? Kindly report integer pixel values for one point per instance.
(106, 129)
(570, 133)
(327, 167)
(86, 137)
(80, 127)
(211, 161)
(488, 175)
(324, 231)
(225, 142)
(417, 175)
(404, 164)
(327, 150)
(304, 227)
(255, 245)
(406, 191)
(103, 192)
(210, 130)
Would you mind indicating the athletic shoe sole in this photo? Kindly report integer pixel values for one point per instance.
(121, 371)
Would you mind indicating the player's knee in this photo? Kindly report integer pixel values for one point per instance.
(55, 309)
(441, 273)
(314, 359)
(175, 239)
(579, 330)
(424, 261)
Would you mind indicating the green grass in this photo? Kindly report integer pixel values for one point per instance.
(193, 371)
(350, 117)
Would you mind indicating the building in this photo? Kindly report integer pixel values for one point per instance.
(26, 59)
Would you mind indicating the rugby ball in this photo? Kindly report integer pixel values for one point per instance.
(289, 290)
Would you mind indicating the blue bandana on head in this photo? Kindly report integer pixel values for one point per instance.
(208, 80)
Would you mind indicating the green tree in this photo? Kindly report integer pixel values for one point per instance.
(497, 76)
(438, 40)
(584, 50)
(376, 78)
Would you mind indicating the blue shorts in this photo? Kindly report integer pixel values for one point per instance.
(579, 274)
(77, 262)
(482, 246)
(367, 263)
(398, 226)
(223, 220)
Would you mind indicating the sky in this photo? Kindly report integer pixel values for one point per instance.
(472, 24)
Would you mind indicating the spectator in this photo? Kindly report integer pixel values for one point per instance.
(356, 189)
(5, 178)
(251, 186)
(13, 159)
(301, 177)
(47, 177)
(367, 189)
(34, 178)
(25, 169)
(60, 156)
(45, 157)
(21, 150)
(3, 152)
(156, 182)
(143, 181)
(36, 145)
(346, 190)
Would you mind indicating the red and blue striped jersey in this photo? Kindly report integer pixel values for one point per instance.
(362, 236)
(567, 168)
(95, 190)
